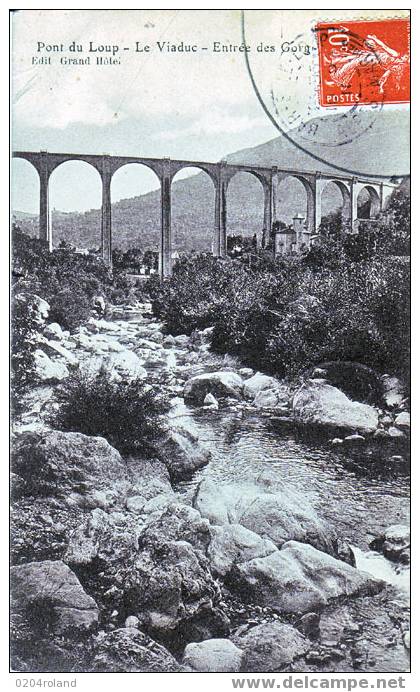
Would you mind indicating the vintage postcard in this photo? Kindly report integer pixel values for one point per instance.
(210, 237)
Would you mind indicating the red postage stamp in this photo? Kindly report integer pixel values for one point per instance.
(364, 62)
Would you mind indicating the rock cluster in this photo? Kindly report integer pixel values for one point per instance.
(115, 573)
(394, 543)
(265, 507)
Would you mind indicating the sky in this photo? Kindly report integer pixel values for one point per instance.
(188, 105)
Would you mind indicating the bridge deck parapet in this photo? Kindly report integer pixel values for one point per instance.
(96, 159)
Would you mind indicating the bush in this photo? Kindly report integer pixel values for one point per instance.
(127, 290)
(337, 302)
(326, 253)
(58, 275)
(255, 302)
(24, 330)
(360, 313)
(70, 308)
(128, 415)
(194, 294)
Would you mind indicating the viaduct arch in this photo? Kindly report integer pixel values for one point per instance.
(221, 174)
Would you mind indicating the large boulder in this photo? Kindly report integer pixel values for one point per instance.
(171, 589)
(216, 503)
(357, 381)
(394, 542)
(59, 463)
(154, 564)
(182, 452)
(271, 511)
(56, 350)
(97, 534)
(403, 420)
(176, 522)
(145, 345)
(47, 370)
(127, 650)
(40, 526)
(49, 596)
(92, 366)
(53, 331)
(270, 398)
(319, 403)
(96, 325)
(220, 384)
(269, 647)
(259, 383)
(232, 544)
(150, 477)
(83, 341)
(96, 343)
(396, 433)
(154, 508)
(299, 579)
(213, 656)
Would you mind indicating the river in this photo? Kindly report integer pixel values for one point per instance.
(359, 504)
(353, 487)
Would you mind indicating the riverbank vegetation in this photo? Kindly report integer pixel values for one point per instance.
(69, 282)
(128, 414)
(347, 298)
(76, 287)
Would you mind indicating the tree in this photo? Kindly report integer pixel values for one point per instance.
(151, 259)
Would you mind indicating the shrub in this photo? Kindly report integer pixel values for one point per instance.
(194, 294)
(68, 280)
(48, 273)
(360, 313)
(127, 290)
(254, 303)
(326, 253)
(388, 301)
(70, 308)
(128, 415)
(334, 303)
(24, 329)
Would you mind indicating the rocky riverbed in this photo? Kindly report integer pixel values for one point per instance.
(273, 536)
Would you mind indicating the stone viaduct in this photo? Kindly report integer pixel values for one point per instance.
(221, 174)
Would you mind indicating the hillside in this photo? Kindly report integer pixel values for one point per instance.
(383, 146)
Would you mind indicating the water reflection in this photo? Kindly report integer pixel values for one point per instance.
(348, 487)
